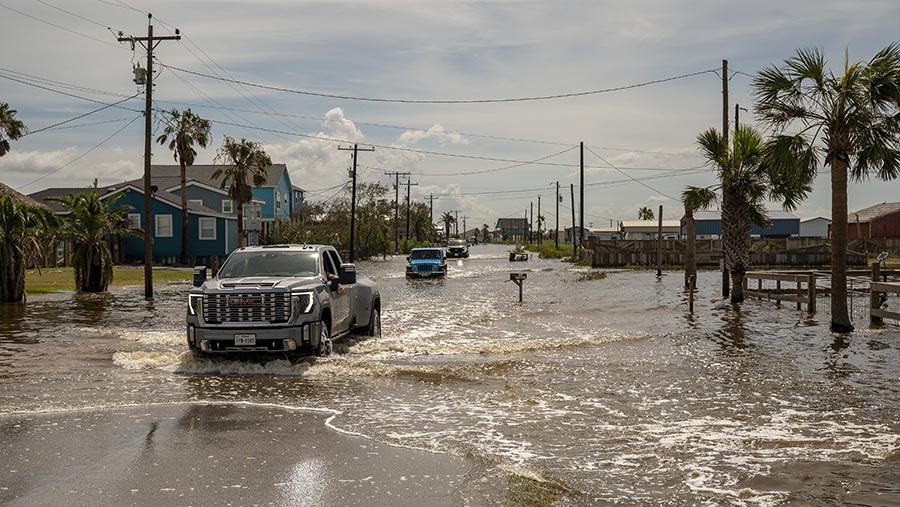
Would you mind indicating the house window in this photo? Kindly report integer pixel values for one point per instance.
(198, 202)
(258, 212)
(207, 227)
(134, 220)
(227, 206)
(163, 226)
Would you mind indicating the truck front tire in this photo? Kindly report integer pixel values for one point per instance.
(324, 346)
(374, 328)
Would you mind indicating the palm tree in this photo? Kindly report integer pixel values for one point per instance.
(852, 118)
(92, 224)
(448, 220)
(181, 132)
(645, 213)
(24, 228)
(746, 181)
(10, 127)
(246, 163)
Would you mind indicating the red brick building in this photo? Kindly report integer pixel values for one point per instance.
(878, 221)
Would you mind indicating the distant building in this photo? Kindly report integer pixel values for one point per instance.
(784, 225)
(814, 228)
(598, 233)
(296, 200)
(649, 229)
(512, 228)
(878, 221)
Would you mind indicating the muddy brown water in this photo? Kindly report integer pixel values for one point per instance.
(606, 391)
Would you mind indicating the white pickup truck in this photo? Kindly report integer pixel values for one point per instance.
(280, 299)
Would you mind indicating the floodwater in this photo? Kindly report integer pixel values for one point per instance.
(591, 392)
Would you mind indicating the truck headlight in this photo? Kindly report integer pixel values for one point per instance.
(195, 303)
(302, 302)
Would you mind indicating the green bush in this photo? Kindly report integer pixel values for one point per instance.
(549, 251)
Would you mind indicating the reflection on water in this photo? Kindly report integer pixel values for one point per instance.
(608, 385)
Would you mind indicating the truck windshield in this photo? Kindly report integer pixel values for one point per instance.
(425, 254)
(269, 264)
(456, 242)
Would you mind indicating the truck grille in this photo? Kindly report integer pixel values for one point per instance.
(273, 307)
(424, 268)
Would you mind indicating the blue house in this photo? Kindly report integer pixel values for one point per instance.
(217, 199)
(275, 194)
(709, 225)
(210, 233)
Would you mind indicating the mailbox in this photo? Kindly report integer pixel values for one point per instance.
(518, 276)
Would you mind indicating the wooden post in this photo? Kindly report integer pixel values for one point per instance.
(811, 293)
(692, 286)
(659, 244)
(874, 299)
(778, 292)
(799, 291)
(215, 265)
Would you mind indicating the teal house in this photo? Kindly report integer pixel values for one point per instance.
(277, 197)
(210, 233)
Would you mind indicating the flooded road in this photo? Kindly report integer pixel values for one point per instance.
(600, 392)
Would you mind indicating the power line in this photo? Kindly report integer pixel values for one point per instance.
(11, 78)
(61, 27)
(442, 101)
(80, 116)
(79, 157)
(91, 124)
(79, 16)
(213, 104)
(633, 179)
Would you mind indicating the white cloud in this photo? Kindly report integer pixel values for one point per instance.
(36, 162)
(436, 133)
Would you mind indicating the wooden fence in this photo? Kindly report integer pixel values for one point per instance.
(799, 252)
(799, 294)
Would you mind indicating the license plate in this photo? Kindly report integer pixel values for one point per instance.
(245, 339)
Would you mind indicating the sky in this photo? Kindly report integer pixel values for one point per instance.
(64, 61)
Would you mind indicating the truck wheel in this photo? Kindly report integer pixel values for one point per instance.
(374, 328)
(324, 346)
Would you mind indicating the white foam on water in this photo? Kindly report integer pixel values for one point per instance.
(144, 360)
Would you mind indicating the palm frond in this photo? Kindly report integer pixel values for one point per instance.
(699, 198)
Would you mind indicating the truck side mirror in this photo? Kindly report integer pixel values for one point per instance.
(199, 275)
(347, 274)
(407, 258)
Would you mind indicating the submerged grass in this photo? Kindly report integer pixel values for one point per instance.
(591, 275)
(524, 491)
(50, 280)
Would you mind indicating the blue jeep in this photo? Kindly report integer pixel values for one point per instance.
(426, 262)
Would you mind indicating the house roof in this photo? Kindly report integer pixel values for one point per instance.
(773, 214)
(203, 173)
(873, 212)
(8, 191)
(803, 221)
(511, 222)
(295, 187)
(136, 185)
(650, 225)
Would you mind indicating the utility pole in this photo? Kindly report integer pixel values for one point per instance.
(464, 229)
(531, 222)
(726, 289)
(409, 184)
(581, 202)
(456, 222)
(355, 149)
(556, 231)
(540, 240)
(431, 199)
(396, 176)
(149, 43)
(737, 115)
(574, 242)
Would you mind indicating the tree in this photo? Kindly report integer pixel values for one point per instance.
(645, 213)
(746, 180)
(24, 230)
(448, 220)
(485, 231)
(91, 225)
(10, 127)
(853, 119)
(245, 162)
(183, 129)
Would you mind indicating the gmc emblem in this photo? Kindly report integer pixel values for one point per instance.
(244, 300)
